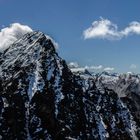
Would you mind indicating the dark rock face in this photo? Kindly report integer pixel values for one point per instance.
(42, 99)
(127, 86)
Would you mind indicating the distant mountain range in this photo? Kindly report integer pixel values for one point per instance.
(42, 99)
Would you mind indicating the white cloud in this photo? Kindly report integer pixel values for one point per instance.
(133, 66)
(109, 69)
(99, 67)
(94, 68)
(133, 28)
(73, 65)
(10, 34)
(105, 29)
(81, 69)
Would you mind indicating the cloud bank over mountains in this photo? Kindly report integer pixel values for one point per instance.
(10, 34)
(74, 66)
(105, 29)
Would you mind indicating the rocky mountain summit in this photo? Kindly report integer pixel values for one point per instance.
(42, 99)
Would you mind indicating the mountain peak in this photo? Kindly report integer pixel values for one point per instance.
(42, 99)
(32, 39)
(28, 48)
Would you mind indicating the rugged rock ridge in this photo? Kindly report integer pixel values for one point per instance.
(127, 86)
(42, 99)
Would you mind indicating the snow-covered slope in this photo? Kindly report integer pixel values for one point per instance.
(42, 99)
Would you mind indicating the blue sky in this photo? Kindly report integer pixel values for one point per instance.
(65, 21)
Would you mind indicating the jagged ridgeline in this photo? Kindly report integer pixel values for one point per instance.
(41, 99)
